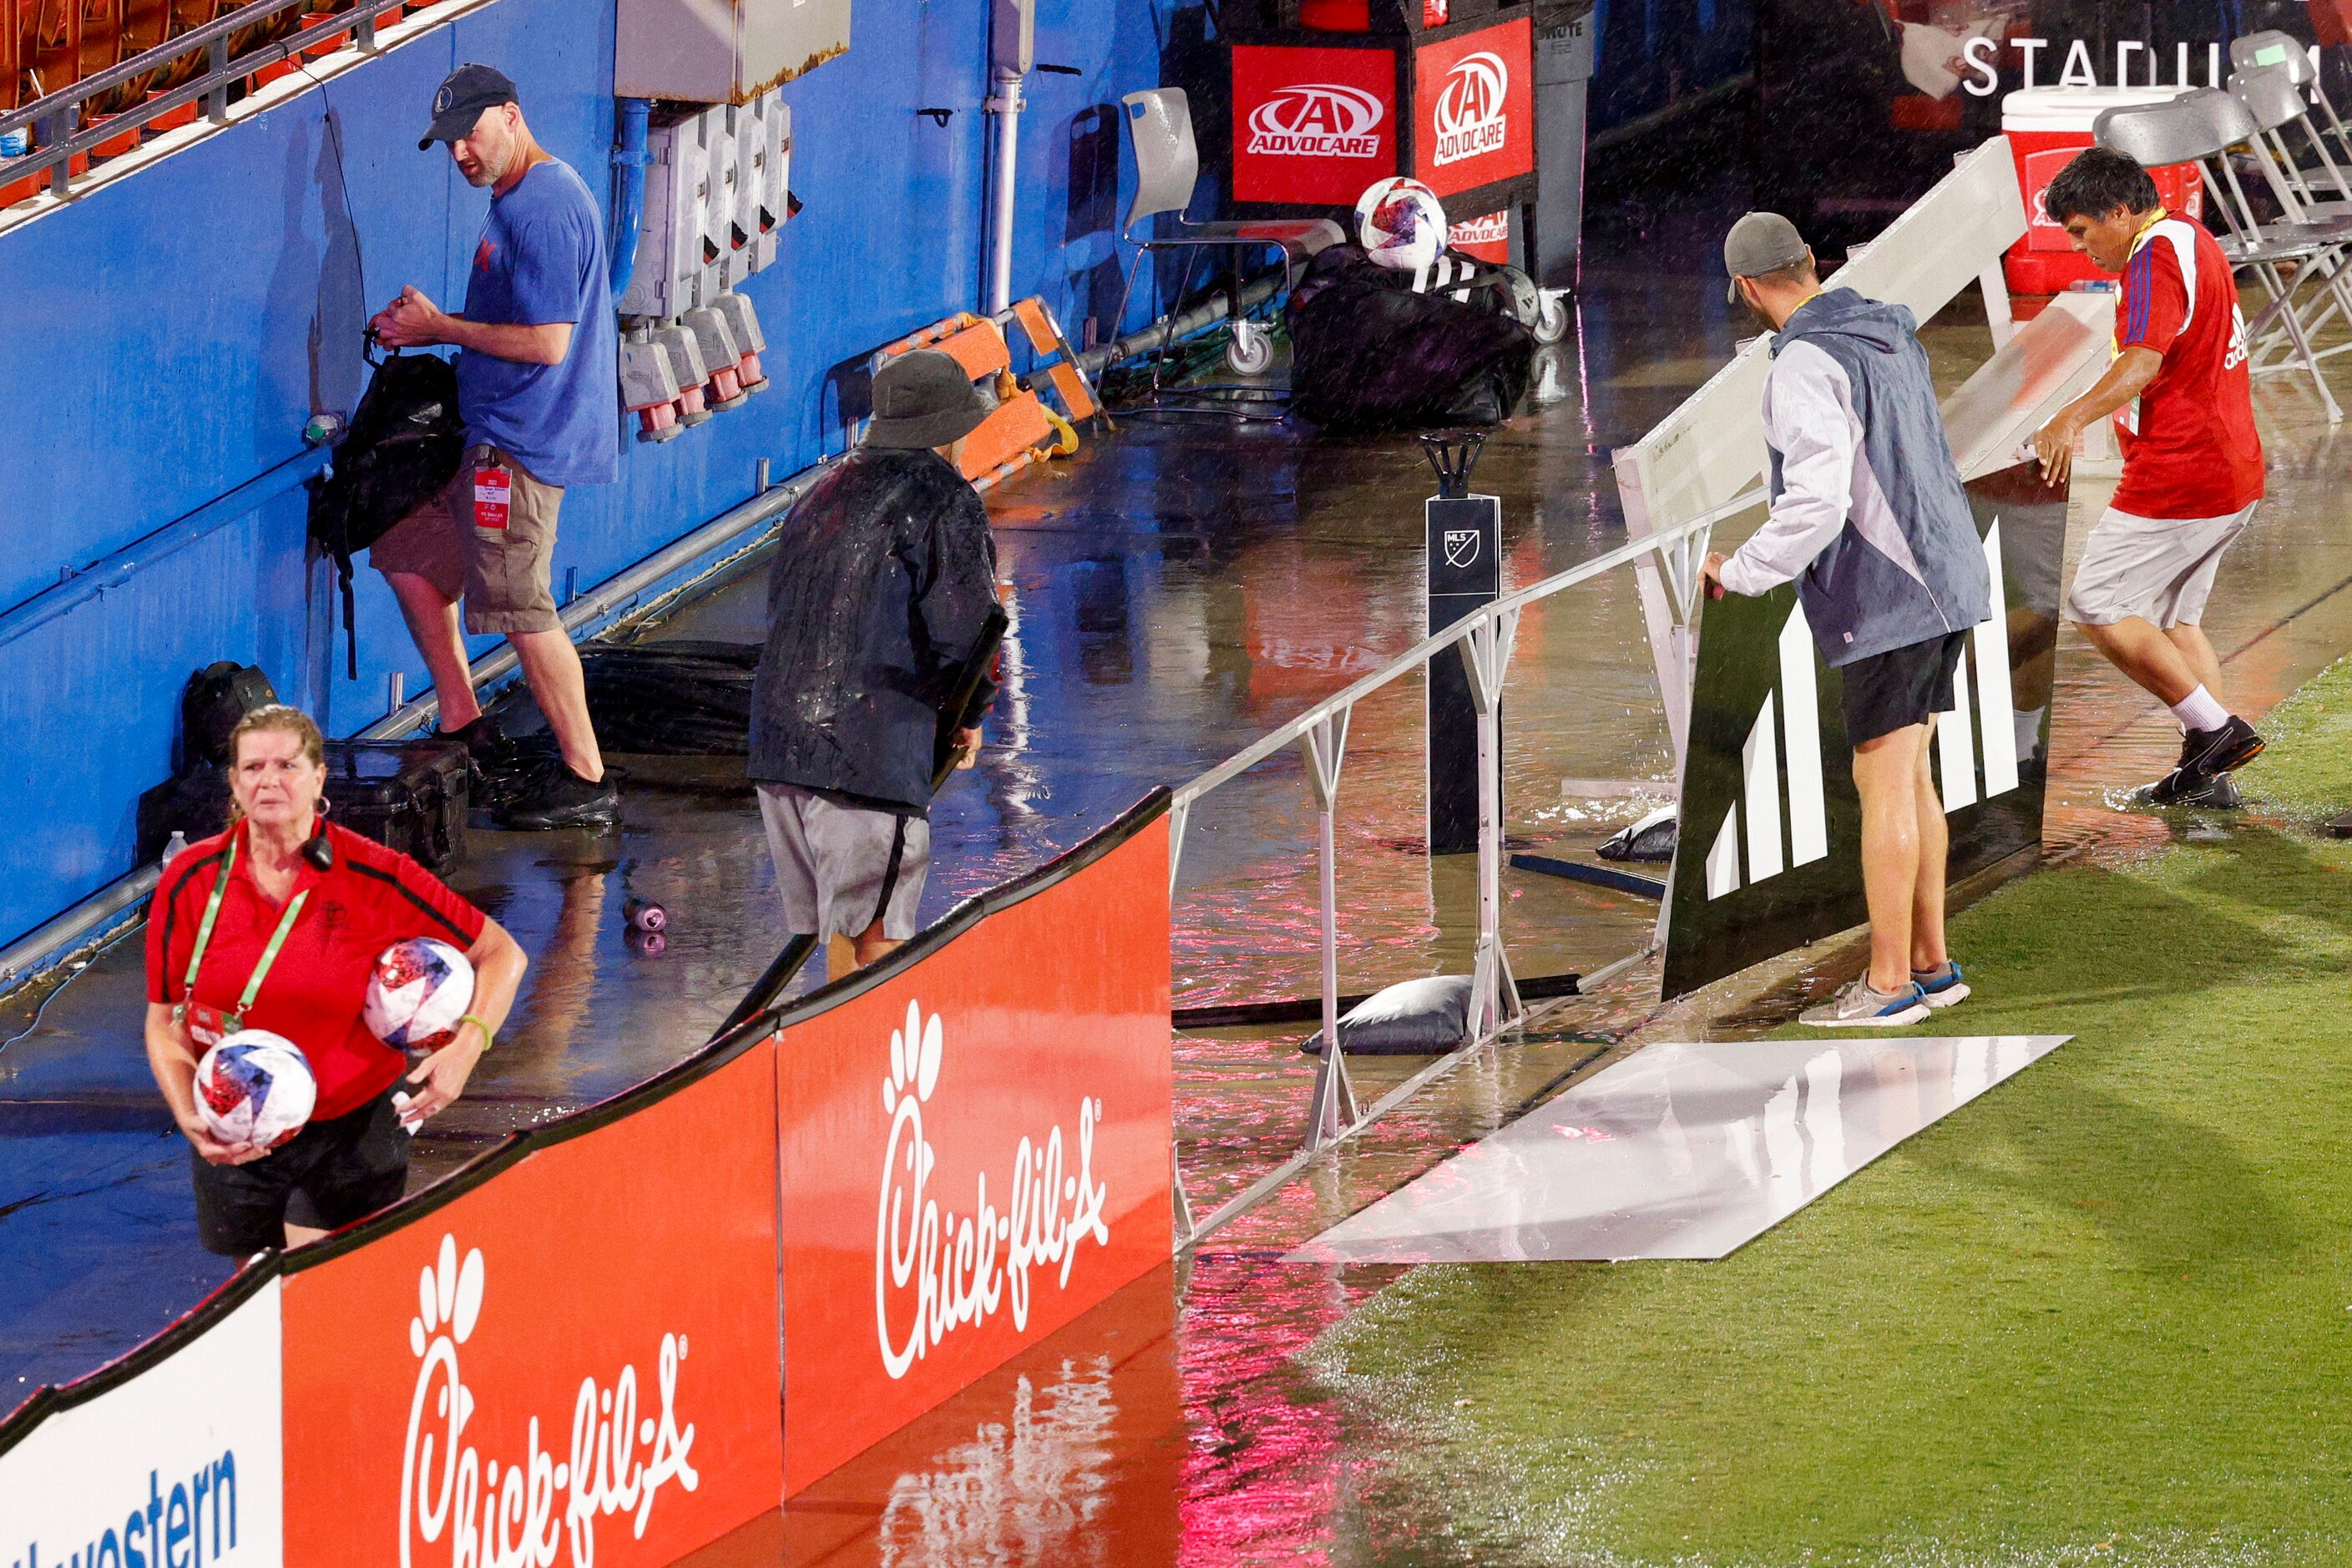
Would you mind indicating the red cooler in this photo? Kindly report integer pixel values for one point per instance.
(2046, 126)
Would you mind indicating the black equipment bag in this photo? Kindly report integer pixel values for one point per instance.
(194, 804)
(214, 700)
(412, 795)
(683, 699)
(969, 694)
(1368, 354)
(405, 442)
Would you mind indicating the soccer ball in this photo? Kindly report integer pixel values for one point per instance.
(1400, 222)
(420, 989)
(254, 1087)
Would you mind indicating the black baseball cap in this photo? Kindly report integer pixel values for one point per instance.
(458, 102)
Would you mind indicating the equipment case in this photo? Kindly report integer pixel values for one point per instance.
(413, 796)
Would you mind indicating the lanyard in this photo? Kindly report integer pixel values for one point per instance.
(269, 955)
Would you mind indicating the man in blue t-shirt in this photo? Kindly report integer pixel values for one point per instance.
(536, 353)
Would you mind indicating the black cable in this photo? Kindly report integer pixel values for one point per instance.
(342, 176)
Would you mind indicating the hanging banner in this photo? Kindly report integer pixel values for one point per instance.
(1770, 850)
(177, 1463)
(573, 1359)
(974, 1145)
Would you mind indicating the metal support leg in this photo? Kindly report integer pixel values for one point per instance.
(1494, 994)
(1180, 816)
(1185, 1230)
(1333, 1108)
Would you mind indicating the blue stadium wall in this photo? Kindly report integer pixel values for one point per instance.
(164, 337)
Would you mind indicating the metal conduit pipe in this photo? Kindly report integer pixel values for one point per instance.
(1208, 313)
(629, 157)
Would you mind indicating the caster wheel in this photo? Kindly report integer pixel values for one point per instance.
(1250, 351)
(1550, 324)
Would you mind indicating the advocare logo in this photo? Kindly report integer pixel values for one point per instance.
(1317, 120)
(935, 1272)
(508, 1515)
(1469, 115)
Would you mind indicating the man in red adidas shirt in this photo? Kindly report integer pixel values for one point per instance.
(2181, 396)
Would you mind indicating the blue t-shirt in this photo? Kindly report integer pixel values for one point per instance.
(542, 260)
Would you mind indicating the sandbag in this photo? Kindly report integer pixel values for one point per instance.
(1410, 1018)
(1368, 354)
(1652, 838)
(672, 698)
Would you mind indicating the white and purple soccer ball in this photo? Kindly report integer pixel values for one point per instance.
(1400, 222)
(254, 1087)
(419, 991)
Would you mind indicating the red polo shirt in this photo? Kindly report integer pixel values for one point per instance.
(371, 897)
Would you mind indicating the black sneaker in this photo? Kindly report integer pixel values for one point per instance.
(2174, 789)
(484, 742)
(553, 795)
(2206, 759)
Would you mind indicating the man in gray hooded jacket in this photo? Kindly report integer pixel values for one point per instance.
(1869, 519)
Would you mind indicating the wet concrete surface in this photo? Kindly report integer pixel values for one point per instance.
(1177, 590)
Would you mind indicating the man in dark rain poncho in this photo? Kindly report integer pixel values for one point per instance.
(881, 593)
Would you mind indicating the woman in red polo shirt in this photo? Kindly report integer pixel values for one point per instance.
(276, 925)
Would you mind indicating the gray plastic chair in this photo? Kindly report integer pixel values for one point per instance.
(2271, 47)
(2201, 128)
(1167, 167)
(2310, 195)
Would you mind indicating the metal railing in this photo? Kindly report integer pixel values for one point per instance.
(1482, 640)
(59, 137)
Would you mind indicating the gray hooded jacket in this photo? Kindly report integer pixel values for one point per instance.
(1868, 513)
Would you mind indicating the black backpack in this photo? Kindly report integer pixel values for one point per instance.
(404, 443)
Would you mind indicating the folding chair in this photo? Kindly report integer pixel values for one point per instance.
(2201, 128)
(2271, 47)
(1167, 167)
(2304, 194)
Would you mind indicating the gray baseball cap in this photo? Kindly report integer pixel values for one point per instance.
(1757, 244)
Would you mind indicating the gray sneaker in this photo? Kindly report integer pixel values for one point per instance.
(1857, 1007)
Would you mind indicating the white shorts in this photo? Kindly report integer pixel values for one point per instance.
(2157, 568)
(840, 867)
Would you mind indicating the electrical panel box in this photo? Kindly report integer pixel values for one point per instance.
(762, 132)
(716, 194)
(722, 51)
(673, 272)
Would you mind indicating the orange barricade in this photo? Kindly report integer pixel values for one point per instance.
(975, 1149)
(1023, 428)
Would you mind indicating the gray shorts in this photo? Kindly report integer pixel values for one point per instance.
(2157, 568)
(839, 867)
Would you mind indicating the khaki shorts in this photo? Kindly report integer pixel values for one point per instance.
(503, 574)
(2157, 568)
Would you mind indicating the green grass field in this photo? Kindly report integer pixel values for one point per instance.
(2101, 1315)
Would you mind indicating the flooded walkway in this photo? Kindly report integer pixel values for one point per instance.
(1178, 590)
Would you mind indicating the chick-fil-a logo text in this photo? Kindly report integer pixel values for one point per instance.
(935, 1271)
(522, 1513)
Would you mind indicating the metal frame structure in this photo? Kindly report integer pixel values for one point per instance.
(54, 118)
(1482, 640)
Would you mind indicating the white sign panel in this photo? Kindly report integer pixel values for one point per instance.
(177, 1467)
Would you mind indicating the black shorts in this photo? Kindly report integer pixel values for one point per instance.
(1902, 686)
(327, 1175)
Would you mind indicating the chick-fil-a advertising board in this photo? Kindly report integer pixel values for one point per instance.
(973, 1151)
(572, 1362)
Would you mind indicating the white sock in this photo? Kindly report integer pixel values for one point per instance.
(2029, 733)
(2200, 710)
